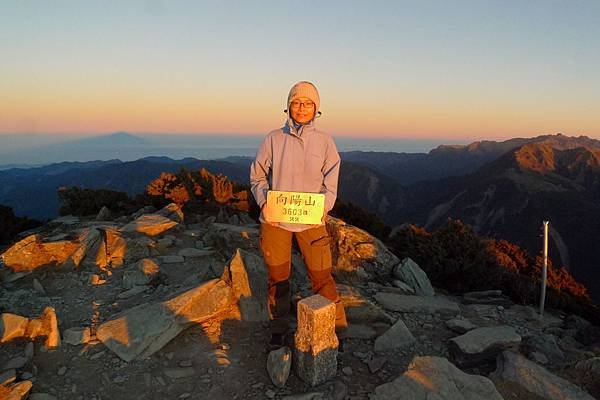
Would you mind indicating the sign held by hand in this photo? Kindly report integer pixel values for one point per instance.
(294, 207)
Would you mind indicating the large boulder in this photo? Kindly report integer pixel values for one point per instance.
(483, 344)
(545, 344)
(536, 379)
(32, 253)
(142, 330)
(429, 378)
(89, 245)
(410, 273)
(247, 275)
(590, 366)
(357, 255)
(101, 247)
(417, 304)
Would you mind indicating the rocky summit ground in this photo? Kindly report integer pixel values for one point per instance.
(158, 305)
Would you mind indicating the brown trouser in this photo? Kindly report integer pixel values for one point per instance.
(276, 245)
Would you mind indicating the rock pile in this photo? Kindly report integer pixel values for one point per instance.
(161, 305)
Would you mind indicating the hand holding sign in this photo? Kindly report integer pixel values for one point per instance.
(267, 212)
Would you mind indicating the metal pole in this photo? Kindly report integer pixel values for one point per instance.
(545, 269)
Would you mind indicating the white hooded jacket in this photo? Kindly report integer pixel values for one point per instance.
(305, 161)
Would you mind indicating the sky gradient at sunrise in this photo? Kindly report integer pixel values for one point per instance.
(474, 70)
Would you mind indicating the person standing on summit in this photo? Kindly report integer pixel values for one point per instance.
(297, 158)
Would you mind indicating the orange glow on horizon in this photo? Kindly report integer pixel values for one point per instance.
(163, 111)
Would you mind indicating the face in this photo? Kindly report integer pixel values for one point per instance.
(302, 110)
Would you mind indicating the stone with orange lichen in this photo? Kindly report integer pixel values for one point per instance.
(315, 340)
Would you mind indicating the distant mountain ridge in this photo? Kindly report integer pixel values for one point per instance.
(503, 189)
(33, 192)
(509, 198)
(455, 160)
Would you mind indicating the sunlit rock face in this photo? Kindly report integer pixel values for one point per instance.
(17, 327)
(211, 277)
(357, 255)
(32, 253)
(247, 275)
(482, 344)
(410, 273)
(150, 224)
(436, 378)
(17, 391)
(536, 379)
(141, 331)
(316, 342)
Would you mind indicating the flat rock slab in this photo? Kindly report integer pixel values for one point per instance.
(460, 325)
(359, 309)
(398, 336)
(150, 224)
(172, 259)
(482, 344)
(536, 379)
(429, 378)
(15, 363)
(142, 330)
(417, 304)
(191, 252)
(77, 336)
(66, 220)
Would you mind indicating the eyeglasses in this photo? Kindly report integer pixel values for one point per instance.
(307, 104)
